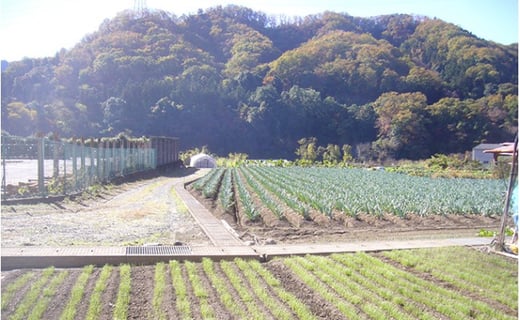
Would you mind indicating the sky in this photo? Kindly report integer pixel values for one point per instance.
(40, 28)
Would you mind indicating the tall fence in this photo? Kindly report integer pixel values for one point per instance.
(39, 167)
(166, 148)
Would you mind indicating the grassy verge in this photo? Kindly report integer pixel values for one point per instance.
(180, 205)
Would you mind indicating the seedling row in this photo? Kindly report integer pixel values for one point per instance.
(447, 283)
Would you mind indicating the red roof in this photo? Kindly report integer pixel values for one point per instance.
(507, 148)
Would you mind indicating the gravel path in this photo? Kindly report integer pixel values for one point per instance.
(136, 213)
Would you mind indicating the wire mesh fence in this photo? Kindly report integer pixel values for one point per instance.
(40, 167)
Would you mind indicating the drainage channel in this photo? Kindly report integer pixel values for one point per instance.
(17, 258)
(158, 250)
(74, 257)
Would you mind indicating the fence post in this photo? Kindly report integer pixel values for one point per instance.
(41, 173)
(131, 156)
(122, 157)
(64, 147)
(83, 167)
(104, 145)
(106, 159)
(150, 154)
(74, 164)
(138, 158)
(98, 159)
(166, 151)
(113, 157)
(92, 167)
(141, 156)
(4, 186)
(55, 158)
(153, 162)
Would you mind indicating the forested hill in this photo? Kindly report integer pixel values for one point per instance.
(238, 80)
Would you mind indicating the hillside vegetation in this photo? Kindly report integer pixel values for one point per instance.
(237, 80)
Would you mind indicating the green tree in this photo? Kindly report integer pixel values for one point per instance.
(20, 119)
(402, 125)
(307, 150)
(331, 154)
(250, 49)
(347, 153)
(427, 81)
(115, 115)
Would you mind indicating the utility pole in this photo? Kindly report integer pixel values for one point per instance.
(512, 177)
(140, 7)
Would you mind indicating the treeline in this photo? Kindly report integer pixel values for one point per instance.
(237, 80)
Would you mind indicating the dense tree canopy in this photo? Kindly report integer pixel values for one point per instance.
(236, 80)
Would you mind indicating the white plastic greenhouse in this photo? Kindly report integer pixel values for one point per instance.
(202, 160)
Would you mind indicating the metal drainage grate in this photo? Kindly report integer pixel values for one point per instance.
(158, 250)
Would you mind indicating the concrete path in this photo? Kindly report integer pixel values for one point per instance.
(67, 257)
(219, 233)
(286, 250)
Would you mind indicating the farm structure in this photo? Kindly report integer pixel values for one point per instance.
(41, 167)
(479, 152)
(202, 160)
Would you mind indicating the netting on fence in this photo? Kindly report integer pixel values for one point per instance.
(39, 167)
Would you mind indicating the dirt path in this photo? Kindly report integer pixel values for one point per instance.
(134, 213)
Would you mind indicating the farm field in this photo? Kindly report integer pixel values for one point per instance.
(148, 211)
(295, 203)
(444, 283)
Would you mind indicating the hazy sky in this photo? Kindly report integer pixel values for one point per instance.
(40, 28)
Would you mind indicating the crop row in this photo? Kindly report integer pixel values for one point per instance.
(229, 290)
(209, 184)
(449, 267)
(453, 283)
(245, 198)
(356, 191)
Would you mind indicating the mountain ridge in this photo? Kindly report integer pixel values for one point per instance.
(271, 83)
